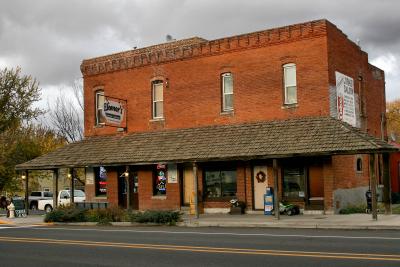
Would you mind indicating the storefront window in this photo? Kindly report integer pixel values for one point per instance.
(293, 182)
(160, 180)
(220, 183)
(101, 181)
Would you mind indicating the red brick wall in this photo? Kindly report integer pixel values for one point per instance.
(112, 187)
(147, 201)
(193, 96)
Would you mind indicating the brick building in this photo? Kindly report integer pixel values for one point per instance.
(298, 105)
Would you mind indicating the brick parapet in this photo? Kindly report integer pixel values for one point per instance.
(198, 47)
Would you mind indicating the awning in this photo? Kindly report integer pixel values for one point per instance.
(311, 136)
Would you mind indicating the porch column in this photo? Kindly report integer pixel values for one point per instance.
(26, 192)
(276, 188)
(72, 185)
(55, 188)
(196, 190)
(387, 190)
(128, 189)
(372, 176)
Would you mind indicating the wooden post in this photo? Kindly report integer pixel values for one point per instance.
(373, 185)
(276, 188)
(196, 190)
(387, 190)
(26, 192)
(128, 190)
(55, 188)
(72, 187)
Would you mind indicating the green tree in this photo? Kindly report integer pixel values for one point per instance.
(18, 145)
(393, 119)
(17, 94)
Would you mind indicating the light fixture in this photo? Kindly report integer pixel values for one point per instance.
(23, 176)
(69, 175)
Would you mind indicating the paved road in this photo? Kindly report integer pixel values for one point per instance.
(170, 246)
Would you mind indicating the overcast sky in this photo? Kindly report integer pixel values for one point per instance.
(49, 38)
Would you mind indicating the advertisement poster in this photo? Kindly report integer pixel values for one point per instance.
(114, 112)
(172, 174)
(346, 109)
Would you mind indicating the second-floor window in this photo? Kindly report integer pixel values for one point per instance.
(290, 84)
(158, 100)
(227, 92)
(99, 107)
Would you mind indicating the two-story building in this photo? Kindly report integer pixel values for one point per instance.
(298, 106)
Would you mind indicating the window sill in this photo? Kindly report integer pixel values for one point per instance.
(157, 120)
(218, 199)
(99, 126)
(288, 106)
(159, 197)
(227, 113)
(100, 197)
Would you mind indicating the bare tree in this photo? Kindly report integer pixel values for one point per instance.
(66, 114)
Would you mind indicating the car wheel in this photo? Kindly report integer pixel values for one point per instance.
(33, 206)
(48, 208)
(289, 212)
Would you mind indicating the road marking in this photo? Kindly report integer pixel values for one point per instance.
(222, 233)
(313, 254)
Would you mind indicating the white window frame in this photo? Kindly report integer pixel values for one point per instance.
(157, 101)
(99, 92)
(224, 107)
(285, 81)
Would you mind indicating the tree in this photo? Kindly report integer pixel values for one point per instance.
(66, 115)
(17, 94)
(22, 144)
(393, 119)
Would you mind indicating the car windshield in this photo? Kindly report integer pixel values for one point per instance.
(78, 193)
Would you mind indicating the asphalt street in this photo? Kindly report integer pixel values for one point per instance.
(173, 246)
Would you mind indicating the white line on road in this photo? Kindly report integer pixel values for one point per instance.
(219, 233)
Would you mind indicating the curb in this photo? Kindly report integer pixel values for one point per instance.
(5, 222)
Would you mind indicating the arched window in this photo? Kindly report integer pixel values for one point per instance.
(99, 98)
(359, 164)
(290, 83)
(158, 99)
(227, 91)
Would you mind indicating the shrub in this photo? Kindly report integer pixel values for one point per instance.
(160, 217)
(65, 214)
(353, 209)
(113, 214)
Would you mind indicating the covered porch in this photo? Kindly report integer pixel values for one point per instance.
(187, 152)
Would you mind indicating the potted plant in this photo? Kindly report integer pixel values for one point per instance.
(237, 207)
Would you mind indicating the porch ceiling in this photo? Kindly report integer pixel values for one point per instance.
(310, 136)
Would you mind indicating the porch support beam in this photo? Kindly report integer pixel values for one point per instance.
(276, 188)
(55, 188)
(387, 190)
(72, 186)
(196, 190)
(26, 192)
(372, 176)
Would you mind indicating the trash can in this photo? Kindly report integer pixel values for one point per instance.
(368, 196)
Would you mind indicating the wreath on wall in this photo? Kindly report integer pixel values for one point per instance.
(261, 177)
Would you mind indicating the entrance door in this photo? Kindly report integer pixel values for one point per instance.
(260, 182)
(316, 187)
(122, 191)
(187, 185)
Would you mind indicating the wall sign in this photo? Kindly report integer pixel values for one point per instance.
(346, 109)
(172, 174)
(114, 111)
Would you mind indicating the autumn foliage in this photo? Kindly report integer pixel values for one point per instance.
(393, 119)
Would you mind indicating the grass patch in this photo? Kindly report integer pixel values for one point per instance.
(396, 209)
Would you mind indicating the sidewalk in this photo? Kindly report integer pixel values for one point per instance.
(353, 221)
(350, 222)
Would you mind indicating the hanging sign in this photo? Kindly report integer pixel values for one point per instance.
(346, 109)
(114, 111)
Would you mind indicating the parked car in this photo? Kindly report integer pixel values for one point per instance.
(35, 196)
(62, 199)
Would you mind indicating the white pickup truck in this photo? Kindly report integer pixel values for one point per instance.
(62, 199)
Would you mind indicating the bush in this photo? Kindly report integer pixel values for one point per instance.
(65, 214)
(353, 209)
(160, 217)
(113, 214)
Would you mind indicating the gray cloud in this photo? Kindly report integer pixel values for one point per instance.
(49, 38)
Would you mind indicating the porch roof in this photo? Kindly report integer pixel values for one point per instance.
(309, 136)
